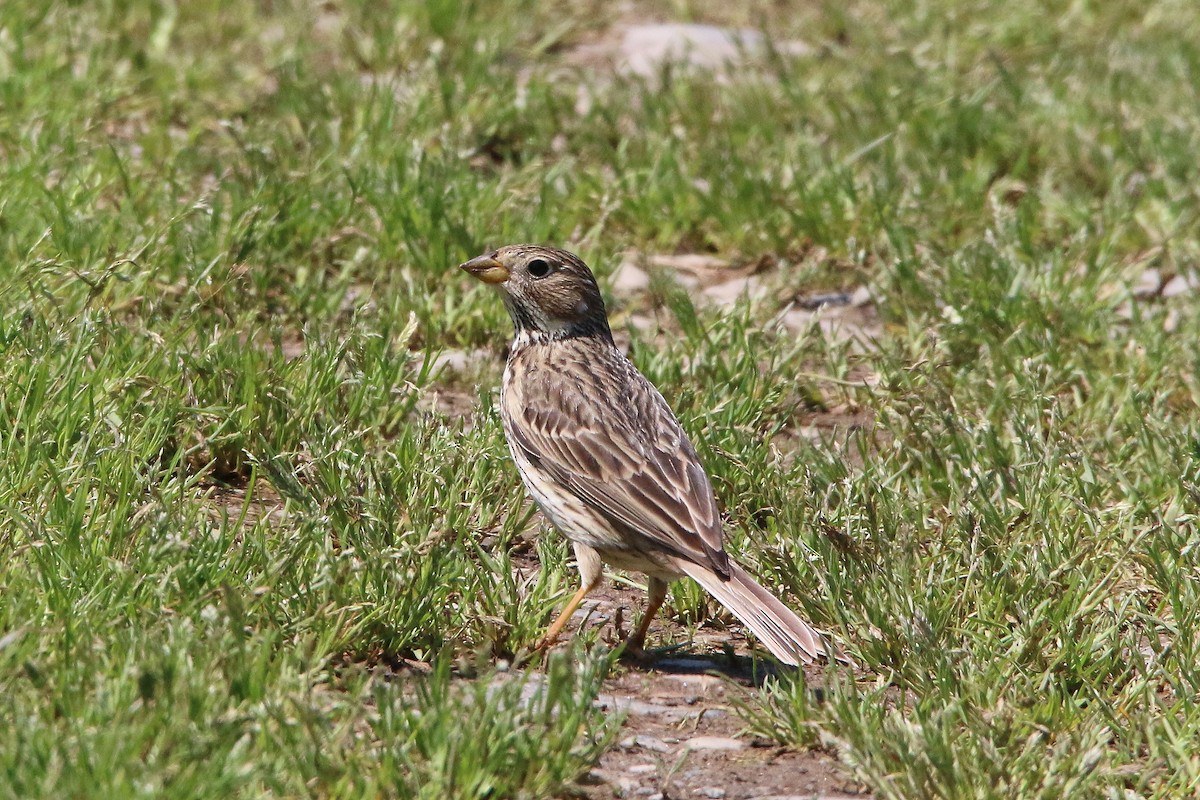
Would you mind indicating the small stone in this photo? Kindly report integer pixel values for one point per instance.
(837, 324)
(597, 777)
(1148, 284)
(594, 777)
(646, 48)
(711, 791)
(632, 705)
(624, 785)
(688, 280)
(729, 292)
(630, 279)
(693, 689)
(292, 348)
(861, 297)
(798, 319)
(642, 769)
(714, 743)
(640, 708)
(591, 613)
(652, 744)
(452, 361)
(1180, 284)
(643, 323)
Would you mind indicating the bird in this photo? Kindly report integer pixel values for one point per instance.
(607, 461)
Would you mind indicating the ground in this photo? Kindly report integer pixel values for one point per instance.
(682, 735)
(919, 280)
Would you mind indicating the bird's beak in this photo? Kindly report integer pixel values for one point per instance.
(486, 269)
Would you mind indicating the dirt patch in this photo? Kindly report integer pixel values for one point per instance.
(638, 45)
(682, 736)
(452, 401)
(231, 502)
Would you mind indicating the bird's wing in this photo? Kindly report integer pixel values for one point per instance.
(605, 433)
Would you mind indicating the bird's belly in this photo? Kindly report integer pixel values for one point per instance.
(580, 523)
(651, 563)
(577, 521)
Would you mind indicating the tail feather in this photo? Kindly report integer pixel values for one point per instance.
(789, 638)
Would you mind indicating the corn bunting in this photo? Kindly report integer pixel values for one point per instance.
(603, 456)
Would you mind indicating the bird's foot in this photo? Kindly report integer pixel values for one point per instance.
(545, 643)
(534, 653)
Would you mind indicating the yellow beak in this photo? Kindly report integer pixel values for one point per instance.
(486, 269)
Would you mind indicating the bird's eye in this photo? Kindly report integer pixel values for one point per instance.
(538, 267)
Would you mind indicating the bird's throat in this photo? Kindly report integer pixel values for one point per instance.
(532, 326)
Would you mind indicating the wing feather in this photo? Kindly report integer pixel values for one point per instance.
(602, 431)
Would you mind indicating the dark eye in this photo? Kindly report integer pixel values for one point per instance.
(538, 267)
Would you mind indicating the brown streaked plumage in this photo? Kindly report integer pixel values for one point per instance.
(606, 460)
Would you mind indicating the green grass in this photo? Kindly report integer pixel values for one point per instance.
(228, 501)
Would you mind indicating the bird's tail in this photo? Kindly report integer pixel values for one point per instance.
(789, 638)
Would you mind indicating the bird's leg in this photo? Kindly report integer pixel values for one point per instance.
(552, 635)
(656, 595)
(590, 572)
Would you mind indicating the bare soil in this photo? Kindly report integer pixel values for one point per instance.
(682, 736)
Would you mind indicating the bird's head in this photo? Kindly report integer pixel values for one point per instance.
(549, 293)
